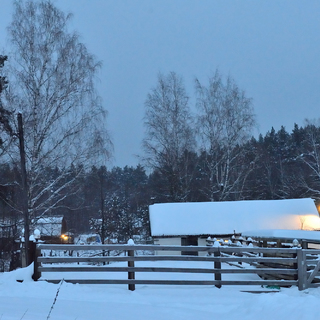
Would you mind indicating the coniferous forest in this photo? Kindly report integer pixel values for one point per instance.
(278, 165)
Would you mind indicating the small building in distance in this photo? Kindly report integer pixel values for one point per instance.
(192, 223)
(53, 230)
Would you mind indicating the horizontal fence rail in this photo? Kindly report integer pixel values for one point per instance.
(274, 266)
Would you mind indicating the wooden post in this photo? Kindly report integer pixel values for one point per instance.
(131, 275)
(24, 189)
(36, 264)
(32, 251)
(295, 265)
(302, 270)
(209, 244)
(304, 244)
(217, 266)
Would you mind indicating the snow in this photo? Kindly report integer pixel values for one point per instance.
(49, 226)
(216, 244)
(130, 242)
(284, 234)
(209, 218)
(37, 233)
(33, 300)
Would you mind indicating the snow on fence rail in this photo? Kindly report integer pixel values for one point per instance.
(280, 266)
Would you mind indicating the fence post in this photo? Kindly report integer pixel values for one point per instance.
(131, 275)
(217, 266)
(302, 270)
(36, 264)
(304, 244)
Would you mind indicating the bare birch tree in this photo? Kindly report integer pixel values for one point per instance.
(309, 157)
(169, 133)
(6, 132)
(225, 121)
(53, 86)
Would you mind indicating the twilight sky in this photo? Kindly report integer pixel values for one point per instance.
(270, 47)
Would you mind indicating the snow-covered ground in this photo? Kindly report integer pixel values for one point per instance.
(33, 300)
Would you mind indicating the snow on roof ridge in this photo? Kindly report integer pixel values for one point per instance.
(196, 218)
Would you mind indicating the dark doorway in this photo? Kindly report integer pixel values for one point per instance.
(189, 241)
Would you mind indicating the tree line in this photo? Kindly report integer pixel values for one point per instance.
(114, 202)
(277, 165)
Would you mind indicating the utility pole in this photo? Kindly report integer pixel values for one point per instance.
(24, 188)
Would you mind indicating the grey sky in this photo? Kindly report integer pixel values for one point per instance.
(271, 49)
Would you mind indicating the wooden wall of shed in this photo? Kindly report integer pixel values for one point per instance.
(170, 241)
(202, 242)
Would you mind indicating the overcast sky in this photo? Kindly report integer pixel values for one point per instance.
(271, 49)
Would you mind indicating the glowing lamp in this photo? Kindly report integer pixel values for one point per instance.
(64, 237)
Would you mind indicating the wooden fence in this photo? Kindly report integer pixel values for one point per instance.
(275, 266)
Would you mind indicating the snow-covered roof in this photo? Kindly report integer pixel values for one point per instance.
(209, 218)
(49, 226)
(284, 234)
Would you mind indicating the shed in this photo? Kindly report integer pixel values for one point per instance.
(52, 229)
(191, 223)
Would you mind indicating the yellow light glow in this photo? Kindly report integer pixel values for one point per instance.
(64, 237)
(310, 222)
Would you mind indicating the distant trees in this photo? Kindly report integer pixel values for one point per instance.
(169, 135)
(286, 165)
(275, 171)
(308, 154)
(5, 115)
(119, 205)
(223, 124)
(53, 86)
(7, 175)
(230, 164)
(3, 81)
(281, 165)
(225, 121)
